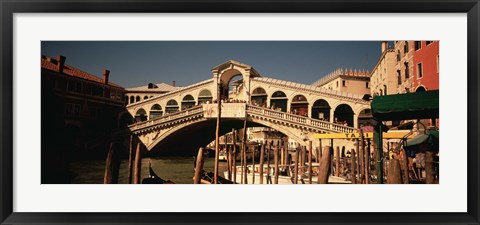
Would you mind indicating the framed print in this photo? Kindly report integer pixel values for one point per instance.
(334, 107)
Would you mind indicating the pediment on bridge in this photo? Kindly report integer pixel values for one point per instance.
(232, 64)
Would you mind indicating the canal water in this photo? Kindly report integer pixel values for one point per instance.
(177, 169)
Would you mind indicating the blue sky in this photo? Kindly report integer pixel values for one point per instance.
(137, 63)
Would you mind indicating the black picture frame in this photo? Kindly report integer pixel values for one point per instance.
(9, 7)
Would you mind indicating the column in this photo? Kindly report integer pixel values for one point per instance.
(355, 120)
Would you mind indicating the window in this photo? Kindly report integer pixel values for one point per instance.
(407, 73)
(405, 47)
(418, 45)
(428, 42)
(420, 70)
(399, 77)
(337, 83)
(398, 56)
(344, 83)
(367, 84)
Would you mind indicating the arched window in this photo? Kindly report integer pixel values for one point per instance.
(421, 88)
(145, 97)
(343, 114)
(279, 101)
(132, 99)
(259, 97)
(156, 111)
(172, 106)
(188, 102)
(204, 96)
(299, 105)
(137, 99)
(321, 110)
(141, 115)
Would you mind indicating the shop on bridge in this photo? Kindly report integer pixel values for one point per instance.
(299, 105)
(259, 97)
(279, 101)
(321, 110)
(188, 102)
(343, 114)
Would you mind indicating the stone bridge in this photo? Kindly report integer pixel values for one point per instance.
(186, 115)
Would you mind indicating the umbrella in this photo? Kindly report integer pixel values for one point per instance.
(428, 140)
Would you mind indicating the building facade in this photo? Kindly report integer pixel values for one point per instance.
(349, 81)
(78, 112)
(426, 65)
(383, 77)
(404, 51)
(136, 94)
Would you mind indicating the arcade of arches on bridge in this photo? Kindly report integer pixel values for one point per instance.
(298, 104)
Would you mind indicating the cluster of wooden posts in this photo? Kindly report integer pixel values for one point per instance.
(112, 164)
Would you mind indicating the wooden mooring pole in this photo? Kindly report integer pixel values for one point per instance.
(367, 165)
(297, 156)
(310, 170)
(262, 150)
(253, 164)
(393, 176)
(112, 166)
(130, 160)
(337, 161)
(275, 158)
(217, 130)
(199, 166)
(244, 149)
(229, 162)
(324, 166)
(269, 177)
(354, 166)
(234, 157)
(137, 174)
(361, 159)
(429, 170)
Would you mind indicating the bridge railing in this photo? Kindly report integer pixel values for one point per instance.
(300, 119)
(166, 118)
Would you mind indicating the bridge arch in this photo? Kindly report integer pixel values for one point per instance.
(172, 106)
(321, 110)
(188, 101)
(224, 73)
(141, 115)
(344, 112)
(299, 105)
(155, 111)
(279, 100)
(170, 139)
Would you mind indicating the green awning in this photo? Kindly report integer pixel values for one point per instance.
(417, 105)
(430, 139)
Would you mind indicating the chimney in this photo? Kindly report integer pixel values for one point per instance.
(384, 46)
(61, 63)
(173, 83)
(105, 76)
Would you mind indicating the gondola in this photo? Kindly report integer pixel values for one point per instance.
(153, 178)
